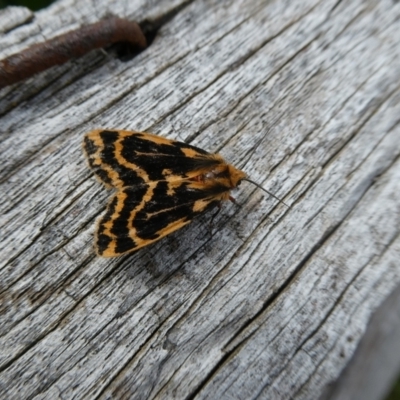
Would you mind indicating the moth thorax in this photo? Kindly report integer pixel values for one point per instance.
(218, 172)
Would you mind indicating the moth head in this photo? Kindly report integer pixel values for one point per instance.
(236, 176)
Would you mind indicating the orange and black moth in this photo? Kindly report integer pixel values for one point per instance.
(161, 185)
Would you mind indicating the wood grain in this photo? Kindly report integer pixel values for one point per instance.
(304, 97)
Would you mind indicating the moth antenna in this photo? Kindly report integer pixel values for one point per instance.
(266, 191)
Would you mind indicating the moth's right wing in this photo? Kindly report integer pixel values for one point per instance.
(140, 215)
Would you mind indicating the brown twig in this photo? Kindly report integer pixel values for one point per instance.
(72, 44)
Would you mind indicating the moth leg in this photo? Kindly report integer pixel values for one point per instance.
(233, 200)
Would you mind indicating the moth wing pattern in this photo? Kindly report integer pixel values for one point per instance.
(138, 216)
(161, 186)
(124, 158)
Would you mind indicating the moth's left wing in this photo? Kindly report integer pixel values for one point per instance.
(124, 158)
(140, 215)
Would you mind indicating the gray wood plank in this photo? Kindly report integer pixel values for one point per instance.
(375, 365)
(304, 97)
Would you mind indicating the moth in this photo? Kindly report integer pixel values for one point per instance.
(161, 186)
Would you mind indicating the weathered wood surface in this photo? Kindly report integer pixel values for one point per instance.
(305, 97)
(375, 366)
